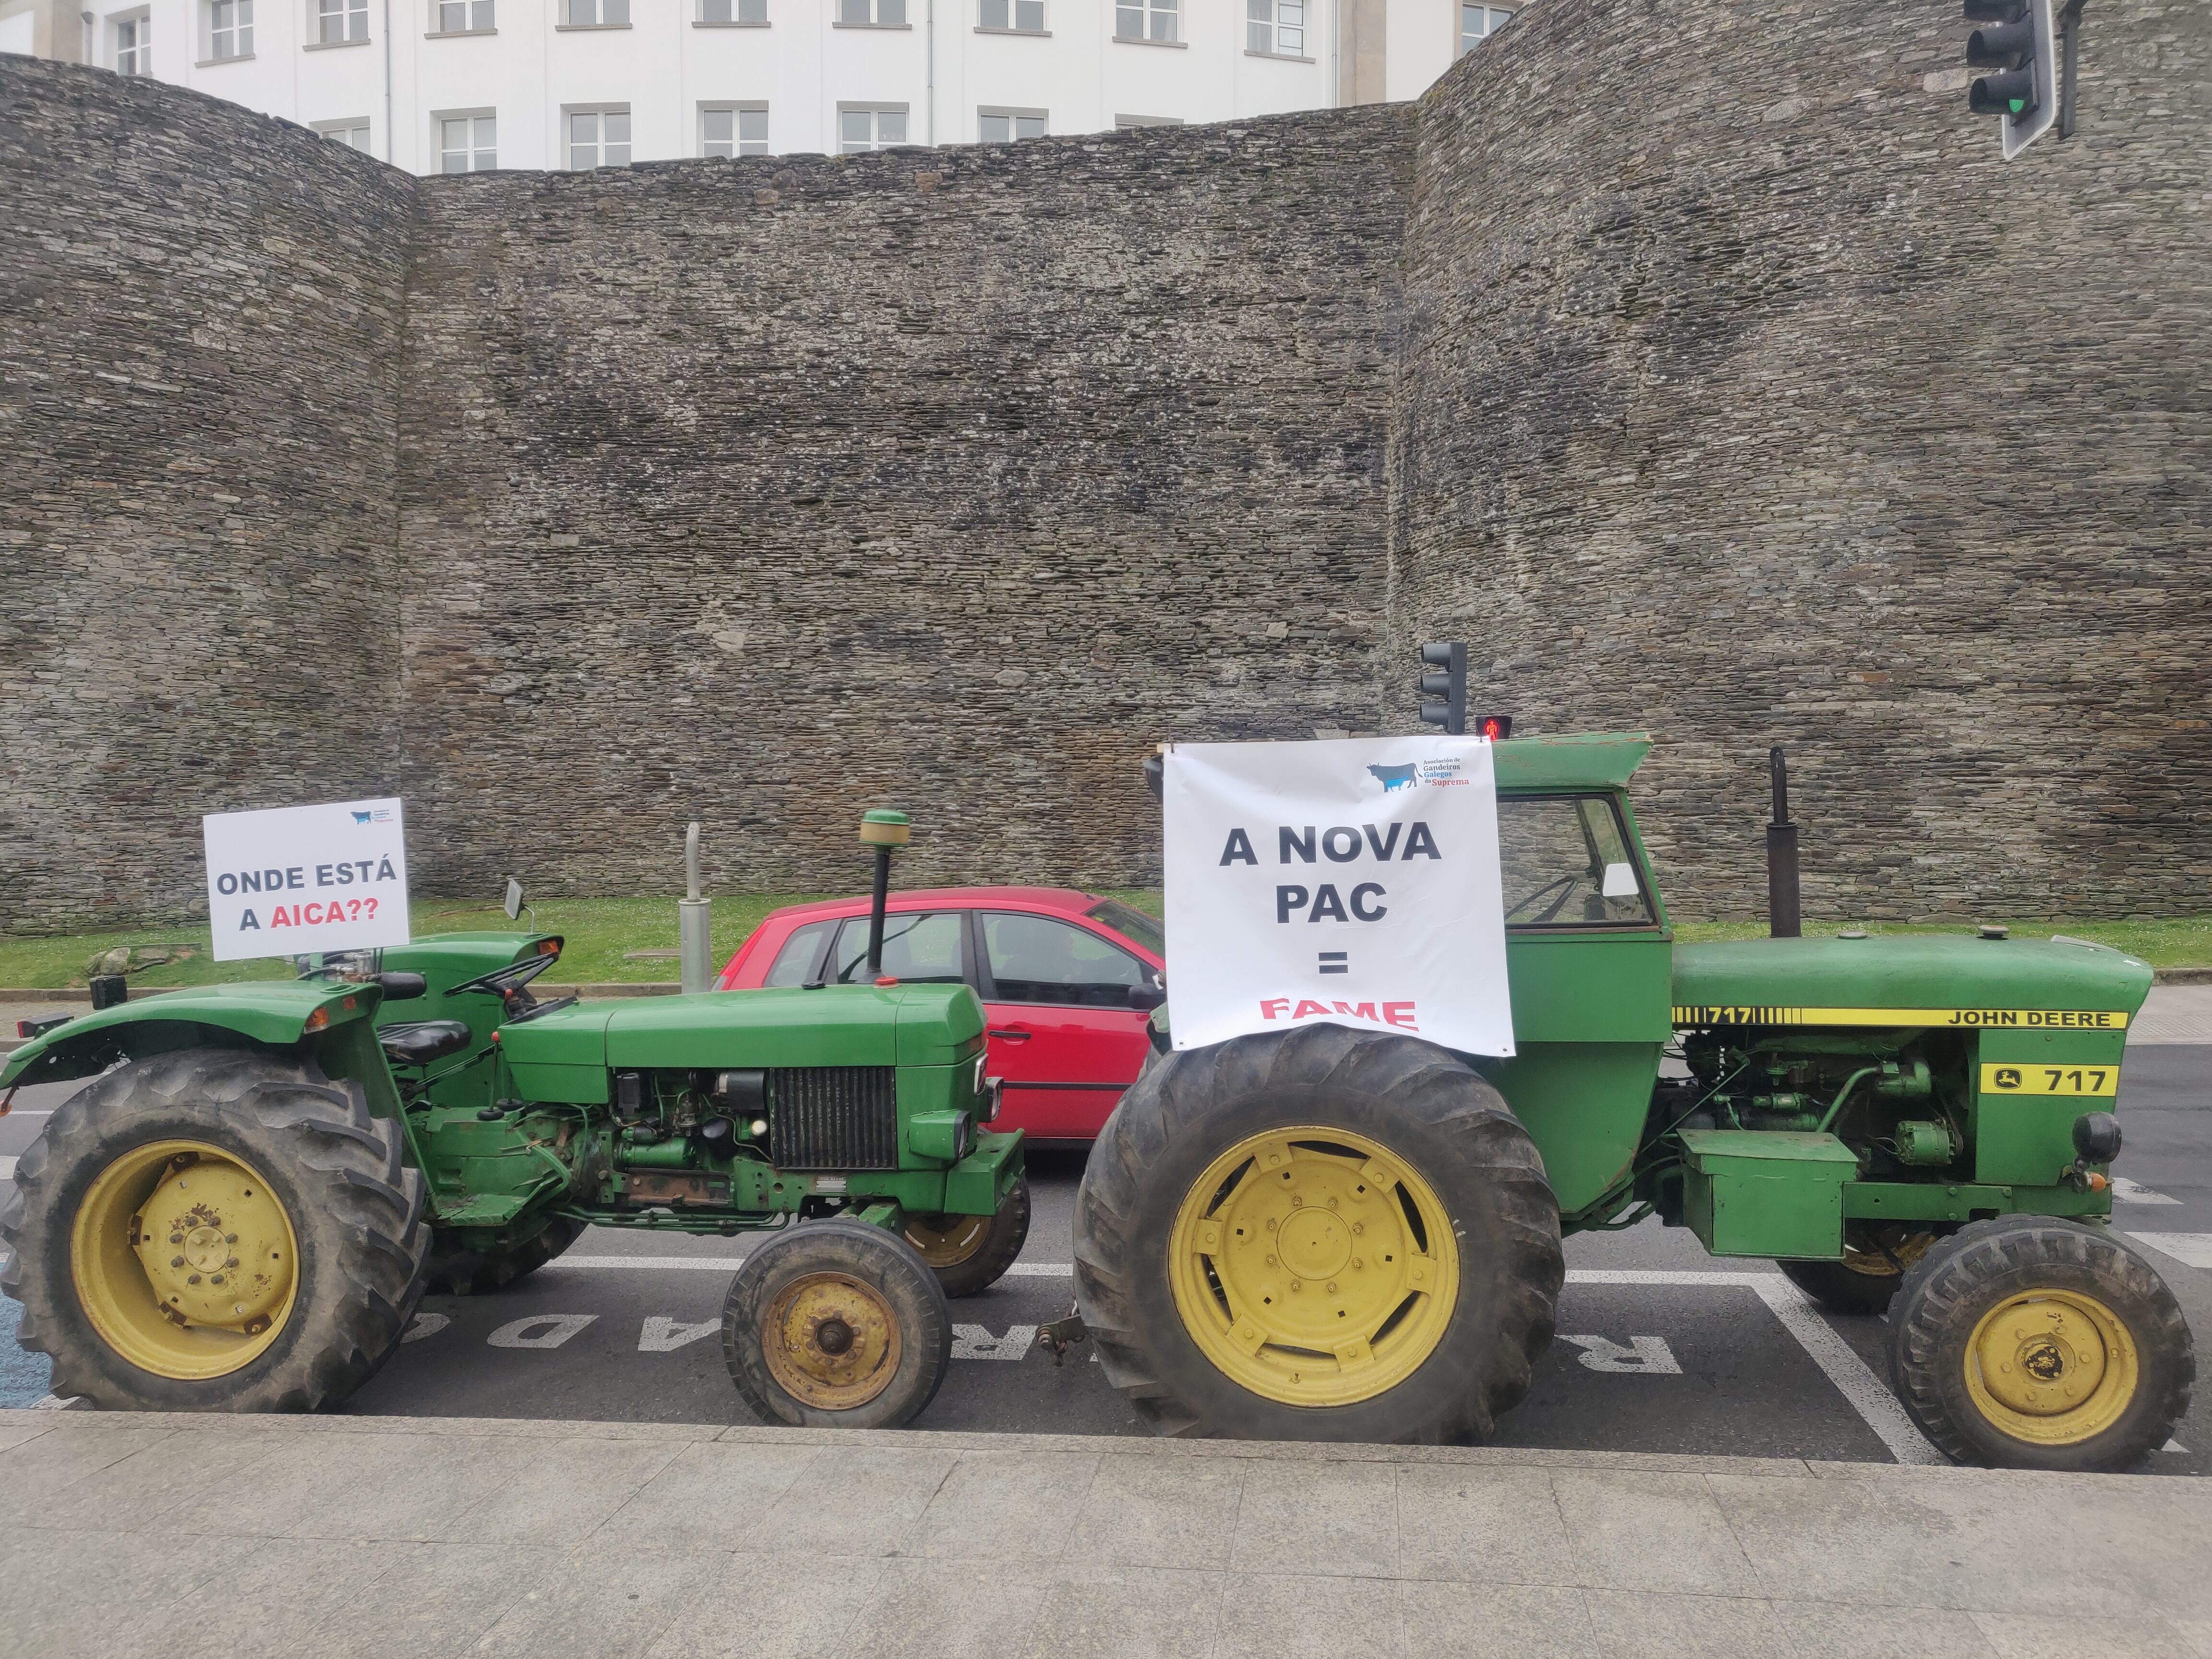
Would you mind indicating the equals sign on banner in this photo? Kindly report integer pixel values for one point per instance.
(1335, 961)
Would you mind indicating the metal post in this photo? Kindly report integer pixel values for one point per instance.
(1781, 911)
(694, 932)
(876, 902)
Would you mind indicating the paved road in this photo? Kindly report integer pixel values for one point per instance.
(1661, 1348)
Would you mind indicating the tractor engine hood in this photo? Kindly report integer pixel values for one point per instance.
(1927, 979)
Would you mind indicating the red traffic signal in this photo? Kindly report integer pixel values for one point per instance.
(1493, 726)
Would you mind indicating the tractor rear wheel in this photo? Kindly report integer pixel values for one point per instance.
(458, 1271)
(971, 1252)
(2034, 1343)
(215, 1229)
(836, 1324)
(1875, 1261)
(1324, 1235)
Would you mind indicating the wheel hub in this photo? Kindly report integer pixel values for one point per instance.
(1302, 1267)
(183, 1259)
(2053, 1367)
(947, 1241)
(832, 1340)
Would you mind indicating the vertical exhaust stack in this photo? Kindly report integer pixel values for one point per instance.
(882, 829)
(693, 931)
(1781, 855)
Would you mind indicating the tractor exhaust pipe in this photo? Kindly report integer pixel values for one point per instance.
(693, 933)
(882, 829)
(1781, 912)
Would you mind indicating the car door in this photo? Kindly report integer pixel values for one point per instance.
(1063, 1035)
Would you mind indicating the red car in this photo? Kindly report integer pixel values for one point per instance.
(1067, 979)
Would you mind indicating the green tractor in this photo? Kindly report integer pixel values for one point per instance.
(242, 1210)
(1331, 1233)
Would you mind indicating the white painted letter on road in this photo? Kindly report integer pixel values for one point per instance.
(664, 1335)
(425, 1324)
(974, 1342)
(1649, 1355)
(540, 1331)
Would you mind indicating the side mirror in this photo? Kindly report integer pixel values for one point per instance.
(403, 987)
(513, 906)
(1146, 997)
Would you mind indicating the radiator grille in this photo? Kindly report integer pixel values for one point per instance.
(833, 1117)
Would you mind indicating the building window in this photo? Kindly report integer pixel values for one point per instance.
(861, 128)
(735, 129)
(1004, 126)
(1026, 16)
(468, 143)
(134, 45)
(353, 134)
(230, 28)
(881, 14)
(1276, 28)
(1145, 19)
(596, 14)
(339, 21)
(465, 17)
(1124, 123)
(599, 139)
(1477, 24)
(733, 11)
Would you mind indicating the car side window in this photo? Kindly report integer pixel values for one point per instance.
(1566, 862)
(1037, 959)
(920, 948)
(794, 964)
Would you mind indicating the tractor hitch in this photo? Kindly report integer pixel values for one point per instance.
(1061, 1335)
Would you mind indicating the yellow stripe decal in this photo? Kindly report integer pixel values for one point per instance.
(2036, 1020)
(1998, 1080)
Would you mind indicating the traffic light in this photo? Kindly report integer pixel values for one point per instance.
(2021, 43)
(1496, 727)
(1443, 690)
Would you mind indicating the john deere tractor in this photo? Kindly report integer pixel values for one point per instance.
(1335, 1233)
(243, 1207)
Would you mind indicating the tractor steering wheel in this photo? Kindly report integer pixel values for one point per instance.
(1565, 886)
(502, 982)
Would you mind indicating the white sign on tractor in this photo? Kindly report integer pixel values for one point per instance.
(1353, 882)
(304, 880)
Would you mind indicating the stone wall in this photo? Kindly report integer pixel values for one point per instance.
(766, 491)
(1702, 395)
(199, 323)
(1746, 405)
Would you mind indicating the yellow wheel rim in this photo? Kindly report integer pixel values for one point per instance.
(184, 1260)
(1864, 1251)
(831, 1342)
(2053, 1368)
(952, 1242)
(1314, 1266)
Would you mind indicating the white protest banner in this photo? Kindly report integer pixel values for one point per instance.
(1353, 882)
(299, 881)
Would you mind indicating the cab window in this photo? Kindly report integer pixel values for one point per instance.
(1037, 959)
(1567, 863)
(920, 948)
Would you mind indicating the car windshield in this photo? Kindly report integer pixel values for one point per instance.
(1566, 863)
(1131, 923)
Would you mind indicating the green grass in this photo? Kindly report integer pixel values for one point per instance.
(600, 933)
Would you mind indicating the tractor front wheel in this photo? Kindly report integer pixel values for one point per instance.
(2039, 1344)
(836, 1324)
(215, 1229)
(971, 1252)
(1325, 1235)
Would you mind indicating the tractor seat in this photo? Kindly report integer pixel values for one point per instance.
(424, 1041)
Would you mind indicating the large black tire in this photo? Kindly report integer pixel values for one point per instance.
(356, 1212)
(1434, 1114)
(1985, 1267)
(456, 1270)
(970, 1254)
(862, 1274)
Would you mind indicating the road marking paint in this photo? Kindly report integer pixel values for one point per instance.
(539, 1330)
(974, 1342)
(425, 1324)
(663, 1335)
(56, 1402)
(25, 1111)
(728, 1264)
(2194, 1248)
(2125, 1191)
(7, 1169)
(1647, 1355)
(2174, 1446)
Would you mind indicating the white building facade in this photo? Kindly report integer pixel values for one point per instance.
(460, 85)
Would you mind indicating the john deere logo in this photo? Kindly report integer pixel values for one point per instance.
(2008, 1077)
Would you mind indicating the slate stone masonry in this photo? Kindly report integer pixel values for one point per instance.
(571, 506)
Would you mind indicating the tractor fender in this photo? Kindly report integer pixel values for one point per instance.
(278, 1016)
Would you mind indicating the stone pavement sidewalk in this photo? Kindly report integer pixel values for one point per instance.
(183, 1535)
